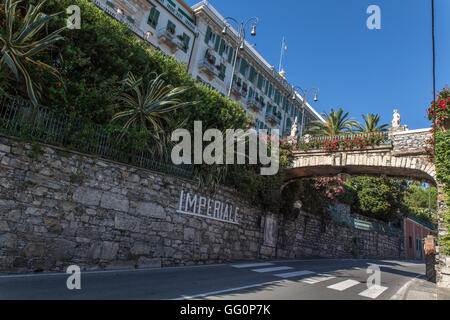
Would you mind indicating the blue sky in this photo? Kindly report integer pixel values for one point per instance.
(360, 70)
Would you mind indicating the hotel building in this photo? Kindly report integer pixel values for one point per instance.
(193, 36)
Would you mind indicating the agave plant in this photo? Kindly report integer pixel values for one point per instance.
(148, 108)
(20, 42)
(336, 123)
(371, 124)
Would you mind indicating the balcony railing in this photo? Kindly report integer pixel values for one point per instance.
(254, 104)
(209, 69)
(168, 37)
(273, 118)
(238, 91)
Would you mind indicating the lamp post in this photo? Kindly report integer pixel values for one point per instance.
(305, 93)
(242, 28)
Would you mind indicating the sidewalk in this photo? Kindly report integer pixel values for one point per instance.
(443, 294)
(417, 289)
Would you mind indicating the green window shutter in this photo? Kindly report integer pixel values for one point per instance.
(260, 81)
(153, 17)
(252, 74)
(171, 25)
(186, 40)
(208, 34)
(216, 46)
(243, 66)
(223, 70)
(230, 55)
(222, 46)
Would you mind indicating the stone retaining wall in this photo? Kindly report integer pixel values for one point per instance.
(59, 208)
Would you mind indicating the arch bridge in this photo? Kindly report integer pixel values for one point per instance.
(402, 154)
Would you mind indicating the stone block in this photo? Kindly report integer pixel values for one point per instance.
(115, 202)
(104, 250)
(87, 196)
(145, 262)
(150, 209)
(126, 222)
(32, 250)
(140, 249)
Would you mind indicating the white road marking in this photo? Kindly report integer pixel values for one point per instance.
(294, 274)
(373, 292)
(252, 265)
(272, 269)
(211, 293)
(344, 285)
(320, 278)
(400, 294)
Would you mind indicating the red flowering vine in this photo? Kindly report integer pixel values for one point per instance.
(344, 143)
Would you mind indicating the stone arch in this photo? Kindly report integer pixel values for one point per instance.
(375, 162)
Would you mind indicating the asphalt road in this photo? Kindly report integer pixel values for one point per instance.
(269, 280)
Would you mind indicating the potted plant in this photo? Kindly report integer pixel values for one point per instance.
(219, 67)
(180, 37)
(210, 59)
(171, 30)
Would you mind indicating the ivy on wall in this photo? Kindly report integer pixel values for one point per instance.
(439, 113)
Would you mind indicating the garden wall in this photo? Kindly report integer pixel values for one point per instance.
(59, 208)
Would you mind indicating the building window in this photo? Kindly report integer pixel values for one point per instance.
(222, 70)
(171, 27)
(153, 18)
(110, 4)
(186, 40)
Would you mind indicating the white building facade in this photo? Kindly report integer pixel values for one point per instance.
(194, 37)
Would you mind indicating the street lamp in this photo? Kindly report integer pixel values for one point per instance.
(305, 93)
(242, 28)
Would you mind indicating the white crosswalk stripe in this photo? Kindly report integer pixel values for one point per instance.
(317, 279)
(252, 265)
(373, 292)
(344, 285)
(272, 269)
(294, 274)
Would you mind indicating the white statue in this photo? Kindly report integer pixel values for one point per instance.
(294, 128)
(396, 120)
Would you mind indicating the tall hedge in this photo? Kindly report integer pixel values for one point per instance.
(93, 59)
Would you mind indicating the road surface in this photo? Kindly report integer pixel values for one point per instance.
(335, 279)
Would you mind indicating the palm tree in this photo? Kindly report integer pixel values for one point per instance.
(336, 123)
(371, 124)
(19, 44)
(147, 109)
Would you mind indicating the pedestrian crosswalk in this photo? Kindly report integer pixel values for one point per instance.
(264, 270)
(294, 274)
(344, 285)
(312, 278)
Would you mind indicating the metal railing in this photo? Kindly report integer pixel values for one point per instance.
(272, 117)
(256, 104)
(355, 223)
(19, 118)
(209, 67)
(352, 136)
